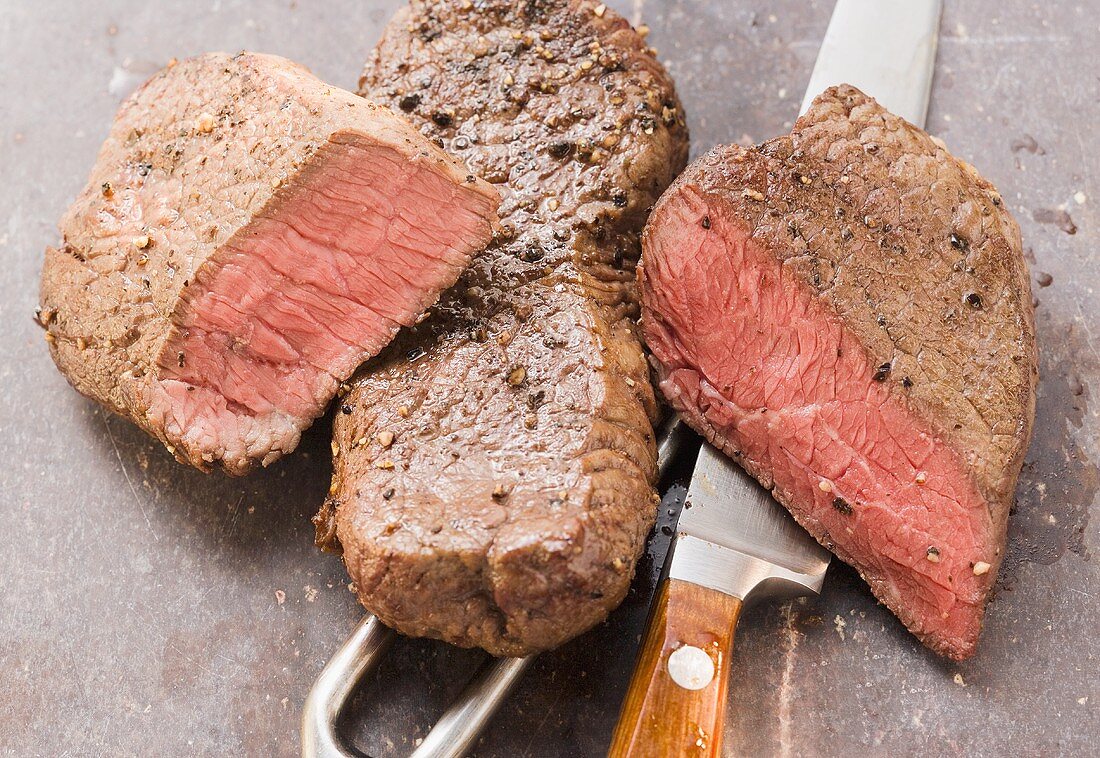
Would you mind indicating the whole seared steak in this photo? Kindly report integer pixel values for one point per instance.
(846, 311)
(248, 236)
(494, 467)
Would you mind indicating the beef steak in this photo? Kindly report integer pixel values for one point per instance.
(248, 236)
(493, 481)
(846, 310)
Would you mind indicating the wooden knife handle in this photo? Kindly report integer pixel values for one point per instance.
(676, 702)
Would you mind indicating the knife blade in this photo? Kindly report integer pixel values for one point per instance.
(733, 541)
(734, 538)
(886, 48)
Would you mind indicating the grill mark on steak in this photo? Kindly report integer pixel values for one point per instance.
(513, 499)
(242, 245)
(883, 383)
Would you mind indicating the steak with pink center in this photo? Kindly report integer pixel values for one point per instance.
(846, 311)
(250, 235)
(493, 483)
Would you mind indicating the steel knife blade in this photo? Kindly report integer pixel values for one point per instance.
(887, 48)
(734, 538)
(733, 541)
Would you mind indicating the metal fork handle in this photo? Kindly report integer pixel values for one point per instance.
(459, 728)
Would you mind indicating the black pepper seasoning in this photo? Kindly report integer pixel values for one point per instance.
(560, 150)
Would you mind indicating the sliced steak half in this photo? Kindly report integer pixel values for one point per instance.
(248, 236)
(846, 311)
(494, 468)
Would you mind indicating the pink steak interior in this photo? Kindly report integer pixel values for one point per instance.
(361, 242)
(750, 353)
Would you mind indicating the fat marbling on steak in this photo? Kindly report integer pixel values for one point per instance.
(493, 481)
(846, 311)
(248, 236)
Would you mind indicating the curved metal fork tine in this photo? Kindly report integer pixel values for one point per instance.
(671, 437)
(356, 658)
(457, 730)
(454, 734)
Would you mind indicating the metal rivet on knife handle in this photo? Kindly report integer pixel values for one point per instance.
(676, 700)
(690, 667)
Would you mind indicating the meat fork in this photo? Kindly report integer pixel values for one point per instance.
(460, 726)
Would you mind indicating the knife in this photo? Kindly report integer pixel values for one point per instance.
(733, 541)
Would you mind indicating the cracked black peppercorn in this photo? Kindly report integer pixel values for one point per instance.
(560, 150)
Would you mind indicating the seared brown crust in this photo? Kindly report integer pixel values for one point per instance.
(918, 257)
(901, 212)
(521, 487)
(200, 150)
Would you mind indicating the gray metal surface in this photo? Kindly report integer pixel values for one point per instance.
(150, 610)
(885, 48)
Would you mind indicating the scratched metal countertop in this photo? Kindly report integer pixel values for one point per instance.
(148, 609)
